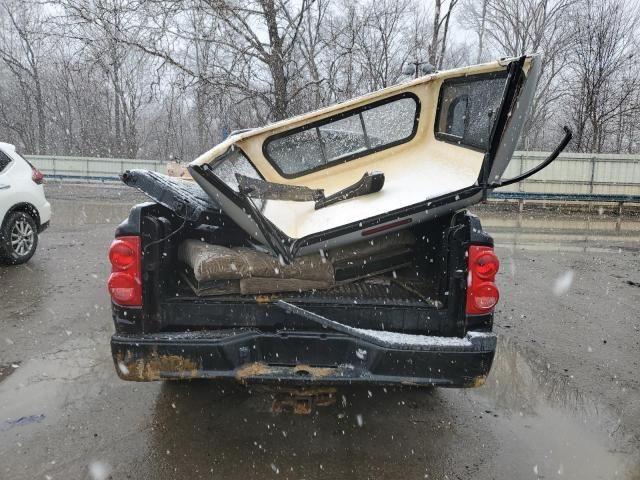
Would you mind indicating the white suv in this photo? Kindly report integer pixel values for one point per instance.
(24, 210)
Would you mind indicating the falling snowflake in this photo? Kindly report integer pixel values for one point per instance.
(99, 470)
(563, 283)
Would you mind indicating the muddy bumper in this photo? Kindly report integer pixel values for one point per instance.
(302, 358)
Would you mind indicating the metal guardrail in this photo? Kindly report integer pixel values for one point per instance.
(577, 174)
(575, 197)
(571, 177)
(91, 169)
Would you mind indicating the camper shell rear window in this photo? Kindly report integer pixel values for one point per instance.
(344, 137)
(468, 108)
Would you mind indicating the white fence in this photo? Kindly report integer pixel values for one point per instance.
(572, 174)
(577, 174)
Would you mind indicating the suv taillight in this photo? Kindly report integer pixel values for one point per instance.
(37, 176)
(482, 293)
(125, 281)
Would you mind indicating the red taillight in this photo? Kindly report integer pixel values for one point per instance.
(125, 282)
(487, 265)
(122, 254)
(482, 293)
(485, 296)
(36, 175)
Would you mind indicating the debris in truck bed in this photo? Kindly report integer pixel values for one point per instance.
(214, 287)
(218, 270)
(256, 285)
(215, 262)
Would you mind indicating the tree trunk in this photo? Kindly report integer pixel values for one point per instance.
(276, 62)
(40, 112)
(433, 49)
(595, 138)
(619, 133)
(116, 111)
(132, 134)
(452, 4)
(201, 118)
(483, 19)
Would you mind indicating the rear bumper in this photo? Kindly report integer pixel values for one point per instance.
(301, 358)
(44, 210)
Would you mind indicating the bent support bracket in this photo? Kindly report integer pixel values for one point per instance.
(258, 188)
(371, 182)
(568, 134)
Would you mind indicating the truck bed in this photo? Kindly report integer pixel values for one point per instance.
(359, 304)
(178, 334)
(415, 299)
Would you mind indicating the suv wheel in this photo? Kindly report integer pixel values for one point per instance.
(18, 238)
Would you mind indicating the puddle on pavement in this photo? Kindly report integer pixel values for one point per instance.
(50, 383)
(566, 433)
(6, 370)
(519, 385)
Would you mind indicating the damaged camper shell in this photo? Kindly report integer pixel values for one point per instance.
(375, 164)
(329, 248)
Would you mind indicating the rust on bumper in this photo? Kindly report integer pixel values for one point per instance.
(258, 369)
(152, 367)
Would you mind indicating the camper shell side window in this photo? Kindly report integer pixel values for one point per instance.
(468, 109)
(344, 137)
(231, 162)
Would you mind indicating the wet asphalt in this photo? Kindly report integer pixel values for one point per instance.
(562, 400)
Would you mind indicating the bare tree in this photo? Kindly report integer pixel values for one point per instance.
(312, 43)
(435, 32)
(282, 26)
(443, 47)
(98, 26)
(517, 27)
(439, 32)
(474, 17)
(381, 42)
(168, 78)
(605, 73)
(21, 50)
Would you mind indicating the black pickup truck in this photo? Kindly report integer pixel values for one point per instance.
(439, 334)
(418, 313)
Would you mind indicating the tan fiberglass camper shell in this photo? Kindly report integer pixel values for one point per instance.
(378, 163)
